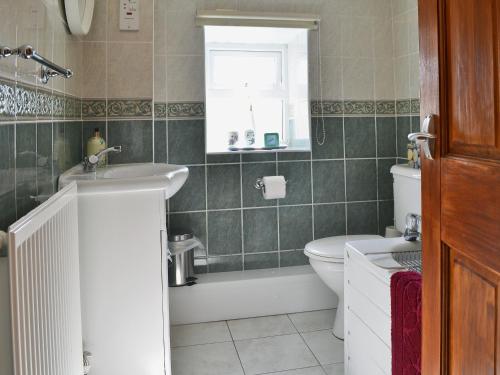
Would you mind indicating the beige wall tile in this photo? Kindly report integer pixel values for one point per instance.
(413, 31)
(160, 28)
(331, 32)
(331, 82)
(74, 56)
(185, 78)
(94, 70)
(402, 6)
(27, 15)
(193, 5)
(130, 70)
(217, 4)
(44, 41)
(289, 6)
(145, 32)
(384, 78)
(98, 29)
(382, 37)
(357, 37)
(8, 33)
(371, 8)
(402, 76)
(414, 75)
(60, 39)
(336, 7)
(401, 35)
(160, 78)
(183, 37)
(358, 78)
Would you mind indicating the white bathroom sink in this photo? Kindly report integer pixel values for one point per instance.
(127, 177)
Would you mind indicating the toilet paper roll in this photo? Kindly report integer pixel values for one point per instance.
(274, 187)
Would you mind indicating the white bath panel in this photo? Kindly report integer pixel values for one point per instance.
(246, 294)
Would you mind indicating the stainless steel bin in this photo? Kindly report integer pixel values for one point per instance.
(181, 269)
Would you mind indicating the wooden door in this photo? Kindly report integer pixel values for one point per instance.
(459, 66)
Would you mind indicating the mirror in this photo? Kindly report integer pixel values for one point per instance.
(79, 15)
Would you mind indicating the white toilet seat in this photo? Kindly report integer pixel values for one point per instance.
(324, 259)
(331, 249)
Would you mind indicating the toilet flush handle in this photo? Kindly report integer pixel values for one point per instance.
(425, 138)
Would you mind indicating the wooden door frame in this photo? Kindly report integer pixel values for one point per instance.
(433, 257)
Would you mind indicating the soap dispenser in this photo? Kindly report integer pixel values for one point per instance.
(95, 144)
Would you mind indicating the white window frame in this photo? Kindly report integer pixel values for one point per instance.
(281, 92)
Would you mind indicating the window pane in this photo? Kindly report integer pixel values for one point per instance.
(225, 115)
(239, 69)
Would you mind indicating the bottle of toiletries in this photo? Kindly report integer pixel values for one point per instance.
(95, 144)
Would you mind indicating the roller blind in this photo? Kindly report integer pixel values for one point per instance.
(255, 19)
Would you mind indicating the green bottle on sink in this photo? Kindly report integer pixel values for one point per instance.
(95, 144)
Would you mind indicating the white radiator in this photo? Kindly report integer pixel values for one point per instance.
(45, 288)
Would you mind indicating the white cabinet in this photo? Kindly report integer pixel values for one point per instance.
(124, 287)
(367, 302)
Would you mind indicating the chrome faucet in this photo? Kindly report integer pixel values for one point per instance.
(412, 227)
(90, 162)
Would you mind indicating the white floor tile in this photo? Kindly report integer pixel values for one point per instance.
(337, 369)
(272, 354)
(209, 359)
(303, 371)
(326, 347)
(313, 320)
(202, 333)
(265, 326)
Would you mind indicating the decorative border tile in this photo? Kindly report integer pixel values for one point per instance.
(25, 102)
(385, 107)
(185, 109)
(7, 100)
(94, 108)
(329, 108)
(359, 107)
(160, 110)
(130, 108)
(403, 106)
(415, 106)
(72, 107)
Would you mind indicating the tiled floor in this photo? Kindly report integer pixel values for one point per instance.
(293, 344)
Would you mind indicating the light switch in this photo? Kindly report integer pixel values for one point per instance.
(129, 15)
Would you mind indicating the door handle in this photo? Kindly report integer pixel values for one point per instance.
(425, 138)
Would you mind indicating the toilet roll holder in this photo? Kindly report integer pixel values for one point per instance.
(259, 184)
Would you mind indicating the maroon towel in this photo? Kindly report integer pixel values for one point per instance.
(406, 315)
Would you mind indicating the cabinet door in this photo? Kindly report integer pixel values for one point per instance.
(123, 270)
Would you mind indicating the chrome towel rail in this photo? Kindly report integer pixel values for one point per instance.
(5, 51)
(49, 69)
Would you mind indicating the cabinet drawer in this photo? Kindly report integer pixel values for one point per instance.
(364, 349)
(359, 276)
(378, 321)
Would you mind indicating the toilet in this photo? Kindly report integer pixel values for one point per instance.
(326, 255)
